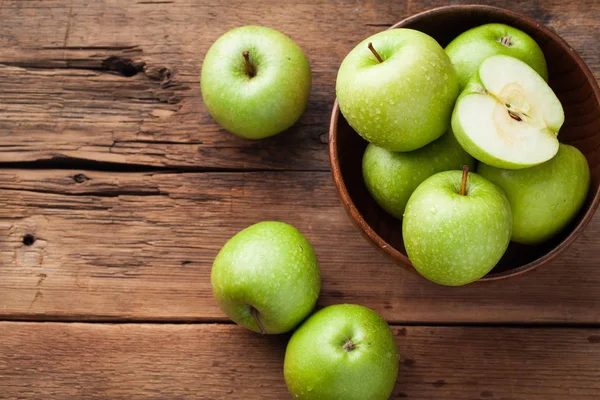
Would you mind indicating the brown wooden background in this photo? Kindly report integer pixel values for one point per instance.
(127, 188)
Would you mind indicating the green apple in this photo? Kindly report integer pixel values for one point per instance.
(255, 81)
(508, 116)
(342, 352)
(470, 48)
(266, 278)
(544, 198)
(392, 177)
(404, 101)
(456, 227)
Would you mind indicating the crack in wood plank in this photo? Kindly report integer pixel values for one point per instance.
(107, 193)
(38, 296)
(69, 21)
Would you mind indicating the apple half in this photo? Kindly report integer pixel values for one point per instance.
(508, 116)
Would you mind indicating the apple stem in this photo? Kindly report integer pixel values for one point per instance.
(249, 68)
(463, 186)
(375, 53)
(254, 313)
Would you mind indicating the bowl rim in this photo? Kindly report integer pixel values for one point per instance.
(395, 254)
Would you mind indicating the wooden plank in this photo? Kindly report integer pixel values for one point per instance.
(65, 89)
(140, 361)
(139, 246)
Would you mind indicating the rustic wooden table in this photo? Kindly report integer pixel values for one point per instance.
(117, 190)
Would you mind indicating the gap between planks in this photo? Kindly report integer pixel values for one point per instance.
(225, 322)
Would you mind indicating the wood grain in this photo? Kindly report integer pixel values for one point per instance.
(118, 82)
(140, 361)
(139, 246)
(129, 189)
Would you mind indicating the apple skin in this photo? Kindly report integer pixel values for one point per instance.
(392, 177)
(406, 101)
(318, 367)
(267, 103)
(544, 198)
(470, 48)
(269, 266)
(452, 239)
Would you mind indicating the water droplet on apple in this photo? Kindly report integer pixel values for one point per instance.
(553, 207)
(433, 210)
(455, 209)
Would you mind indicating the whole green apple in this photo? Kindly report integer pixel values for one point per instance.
(456, 227)
(255, 81)
(342, 352)
(397, 89)
(392, 177)
(470, 48)
(544, 198)
(508, 116)
(266, 278)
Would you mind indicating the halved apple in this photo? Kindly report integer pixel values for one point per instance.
(508, 116)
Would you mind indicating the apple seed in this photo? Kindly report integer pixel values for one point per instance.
(514, 116)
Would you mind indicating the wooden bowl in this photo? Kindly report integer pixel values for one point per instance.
(570, 79)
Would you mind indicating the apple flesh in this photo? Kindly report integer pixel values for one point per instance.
(507, 116)
(392, 177)
(266, 278)
(469, 49)
(455, 239)
(342, 352)
(544, 198)
(403, 102)
(255, 81)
